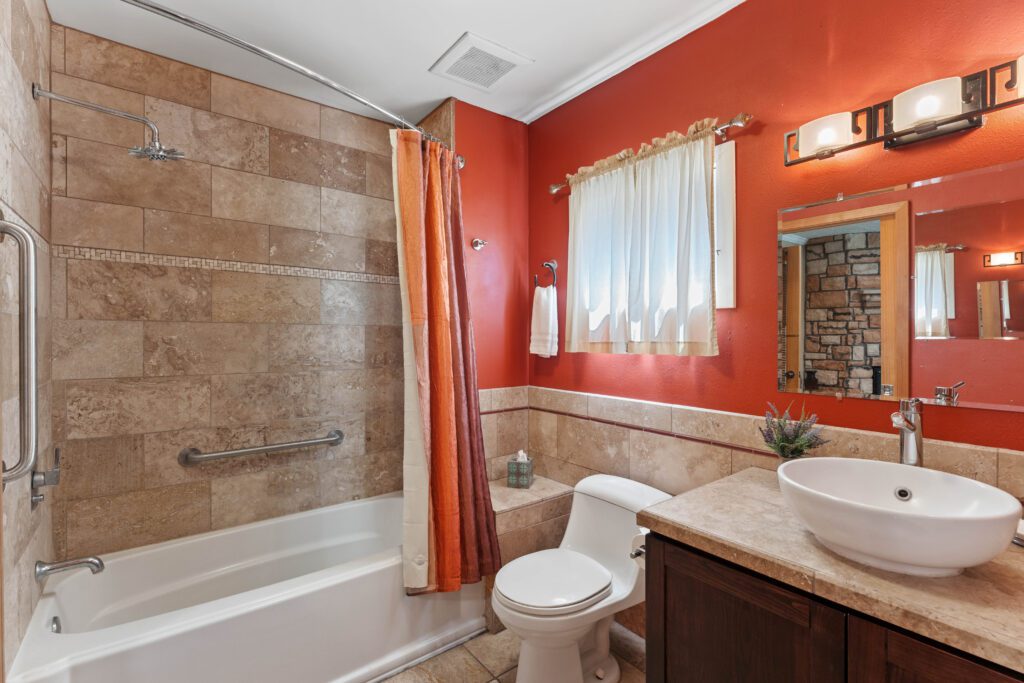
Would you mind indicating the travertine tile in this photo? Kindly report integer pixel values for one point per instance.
(58, 288)
(96, 59)
(184, 234)
(454, 665)
(675, 465)
(254, 297)
(561, 401)
(161, 450)
(347, 213)
(84, 349)
(276, 491)
(317, 162)
(381, 257)
(211, 138)
(82, 223)
(260, 199)
(596, 446)
(543, 433)
(135, 406)
(269, 107)
(497, 652)
(513, 432)
(78, 122)
(856, 443)
(560, 470)
(383, 346)
(489, 425)
(542, 536)
(316, 250)
(101, 467)
(716, 425)
(59, 166)
(259, 399)
(741, 460)
(106, 524)
(504, 498)
(973, 462)
(506, 398)
(105, 290)
(56, 48)
(379, 177)
(353, 391)
(1011, 472)
(630, 411)
(354, 477)
(384, 429)
(109, 174)
(360, 303)
(296, 348)
(352, 130)
(204, 348)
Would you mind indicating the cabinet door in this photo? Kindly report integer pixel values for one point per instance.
(880, 655)
(710, 622)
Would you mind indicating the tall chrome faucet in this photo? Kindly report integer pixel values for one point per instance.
(908, 421)
(44, 569)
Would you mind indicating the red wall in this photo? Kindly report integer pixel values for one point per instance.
(494, 206)
(786, 62)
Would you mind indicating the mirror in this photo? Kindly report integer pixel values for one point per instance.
(953, 311)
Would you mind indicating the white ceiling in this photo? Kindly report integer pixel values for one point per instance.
(382, 50)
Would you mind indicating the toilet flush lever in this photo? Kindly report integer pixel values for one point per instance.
(638, 552)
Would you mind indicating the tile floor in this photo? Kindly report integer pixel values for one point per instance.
(485, 659)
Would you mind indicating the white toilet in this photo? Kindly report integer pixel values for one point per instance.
(561, 602)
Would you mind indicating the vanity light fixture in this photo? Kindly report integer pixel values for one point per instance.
(1004, 258)
(925, 111)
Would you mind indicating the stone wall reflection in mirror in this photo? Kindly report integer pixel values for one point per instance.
(965, 317)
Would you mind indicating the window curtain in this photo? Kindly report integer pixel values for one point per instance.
(449, 535)
(931, 317)
(641, 250)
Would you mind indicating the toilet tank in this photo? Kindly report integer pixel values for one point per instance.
(602, 522)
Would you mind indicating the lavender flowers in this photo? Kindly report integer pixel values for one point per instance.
(790, 438)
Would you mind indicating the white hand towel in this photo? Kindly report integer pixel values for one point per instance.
(544, 325)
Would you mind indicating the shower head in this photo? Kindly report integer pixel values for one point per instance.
(154, 151)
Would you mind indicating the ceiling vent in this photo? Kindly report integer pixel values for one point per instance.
(477, 63)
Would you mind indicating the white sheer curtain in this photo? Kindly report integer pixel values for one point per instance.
(641, 252)
(931, 317)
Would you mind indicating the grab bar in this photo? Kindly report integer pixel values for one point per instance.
(27, 351)
(193, 456)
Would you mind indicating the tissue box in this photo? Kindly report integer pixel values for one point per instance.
(520, 474)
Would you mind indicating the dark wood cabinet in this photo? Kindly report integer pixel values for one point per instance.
(710, 622)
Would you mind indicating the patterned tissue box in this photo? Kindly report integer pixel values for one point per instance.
(520, 474)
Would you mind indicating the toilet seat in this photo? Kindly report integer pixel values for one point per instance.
(552, 582)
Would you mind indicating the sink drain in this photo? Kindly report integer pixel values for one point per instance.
(903, 493)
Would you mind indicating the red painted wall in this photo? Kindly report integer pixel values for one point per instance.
(786, 62)
(494, 206)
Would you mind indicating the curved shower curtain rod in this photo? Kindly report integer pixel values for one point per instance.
(191, 22)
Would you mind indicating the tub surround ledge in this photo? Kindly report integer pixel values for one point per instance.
(744, 520)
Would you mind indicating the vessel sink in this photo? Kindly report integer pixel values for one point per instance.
(900, 518)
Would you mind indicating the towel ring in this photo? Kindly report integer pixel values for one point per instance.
(551, 265)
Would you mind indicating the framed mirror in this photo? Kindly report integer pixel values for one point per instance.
(947, 305)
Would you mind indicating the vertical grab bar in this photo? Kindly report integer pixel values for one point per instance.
(27, 351)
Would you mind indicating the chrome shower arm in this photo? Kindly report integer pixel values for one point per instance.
(38, 92)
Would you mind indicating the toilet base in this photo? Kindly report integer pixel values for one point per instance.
(556, 658)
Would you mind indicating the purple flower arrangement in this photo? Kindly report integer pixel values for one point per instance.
(790, 438)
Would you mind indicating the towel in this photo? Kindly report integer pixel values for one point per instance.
(544, 325)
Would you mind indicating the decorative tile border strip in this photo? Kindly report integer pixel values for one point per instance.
(120, 256)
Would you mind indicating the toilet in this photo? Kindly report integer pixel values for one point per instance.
(561, 602)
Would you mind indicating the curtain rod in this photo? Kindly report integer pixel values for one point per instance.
(741, 120)
(185, 20)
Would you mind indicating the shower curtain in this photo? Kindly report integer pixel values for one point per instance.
(449, 535)
(931, 318)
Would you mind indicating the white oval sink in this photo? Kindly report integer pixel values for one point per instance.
(904, 519)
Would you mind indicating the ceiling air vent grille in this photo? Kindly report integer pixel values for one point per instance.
(476, 62)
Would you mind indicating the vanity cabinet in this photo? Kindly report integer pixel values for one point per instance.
(708, 621)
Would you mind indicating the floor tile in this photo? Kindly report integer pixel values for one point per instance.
(498, 652)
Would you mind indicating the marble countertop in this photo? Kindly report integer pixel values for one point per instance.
(743, 519)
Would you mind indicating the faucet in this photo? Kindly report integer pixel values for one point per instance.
(44, 569)
(908, 421)
(949, 396)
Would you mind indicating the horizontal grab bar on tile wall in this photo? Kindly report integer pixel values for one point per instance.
(193, 456)
(28, 398)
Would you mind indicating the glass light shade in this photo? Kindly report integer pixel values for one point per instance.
(827, 133)
(1002, 258)
(1020, 76)
(927, 102)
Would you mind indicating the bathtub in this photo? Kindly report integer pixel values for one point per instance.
(308, 598)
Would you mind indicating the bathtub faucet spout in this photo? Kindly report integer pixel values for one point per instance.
(44, 569)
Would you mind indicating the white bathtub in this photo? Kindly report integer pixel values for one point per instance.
(308, 598)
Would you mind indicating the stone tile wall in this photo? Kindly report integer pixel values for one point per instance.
(245, 295)
(24, 199)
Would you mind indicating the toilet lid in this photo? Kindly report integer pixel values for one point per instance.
(554, 581)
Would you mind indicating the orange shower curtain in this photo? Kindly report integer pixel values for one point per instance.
(445, 470)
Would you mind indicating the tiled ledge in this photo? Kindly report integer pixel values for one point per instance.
(531, 519)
